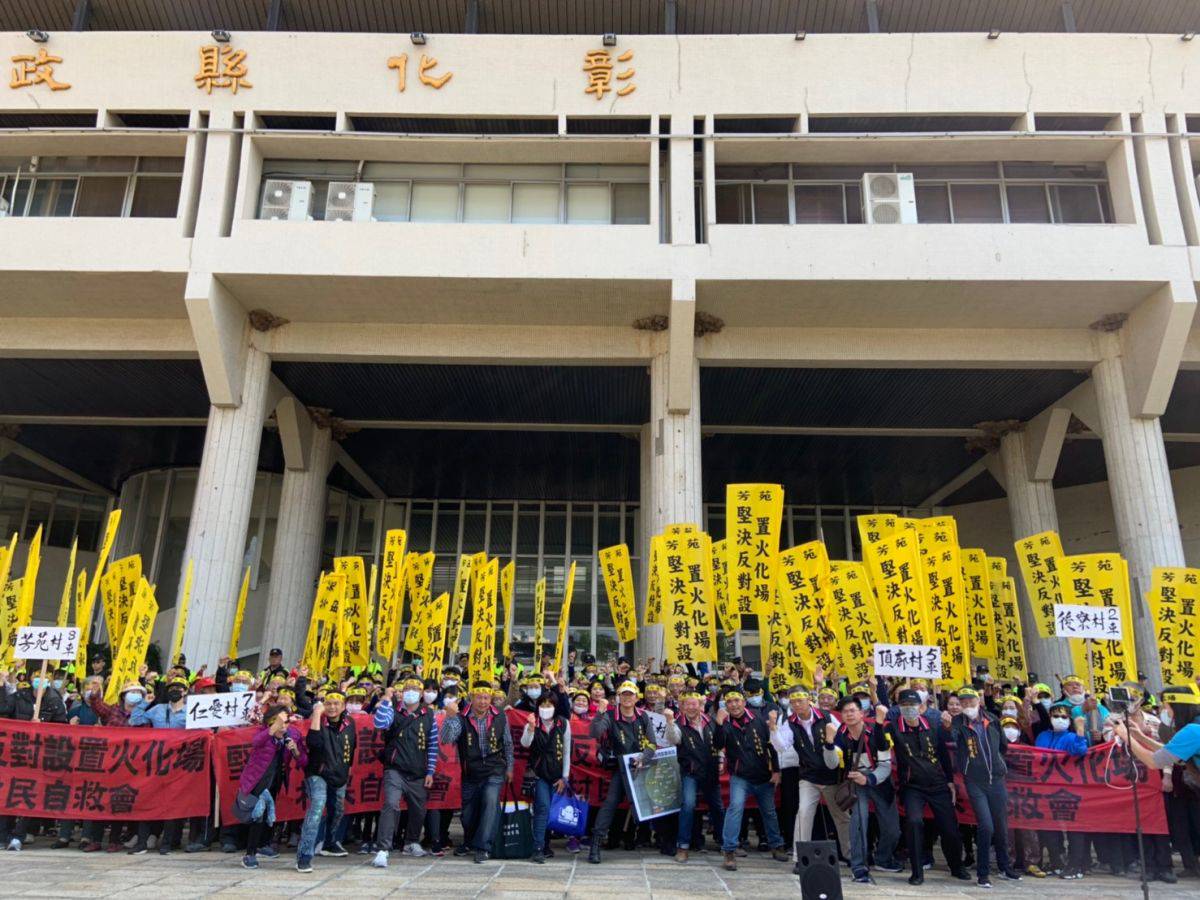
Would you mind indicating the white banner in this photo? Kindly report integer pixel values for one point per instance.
(658, 724)
(908, 661)
(217, 710)
(36, 642)
(1101, 623)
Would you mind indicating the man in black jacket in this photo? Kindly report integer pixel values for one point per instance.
(410, 754)
(698, 767)
(331, 744)
(624, 730)
(17, 700)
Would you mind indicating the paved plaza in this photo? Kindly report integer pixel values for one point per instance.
(39, 872)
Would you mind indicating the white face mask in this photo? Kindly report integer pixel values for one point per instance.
(430, 696)
(1012, 733)
(133, 698)
(581, 708)
(448, 682)
(924, 695)
(546, 712)
(1166, 718)
(410, 698)
(1076, 699)
(971, 712)
(1010, 711)
(353, 708)
(534, 693)
(756, 700)
(1058, 723)
(1045, 702)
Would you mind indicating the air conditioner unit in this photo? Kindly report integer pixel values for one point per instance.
(889, 198)
(349, 201)
(290, 200)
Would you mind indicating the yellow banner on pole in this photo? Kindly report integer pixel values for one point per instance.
(83, 612)
(618, 584)
(753, 518)
(391, 593)
(895, 571)
(64, 603)
(689, 621)
(482, 653)
(239, 614)
(181, 613)
(803, 571)
(119, 587)
(780, 667)
(1010, 638)
(981, 623)
(10, 602)
(654, 591)
(434, 658)
(1174, 599)
(1039, 557)
(977, 589)
(419, 575)
(539, 621)
(355, 631)
(727, 612)
(326, 620)
(29, 580)
(941, 562)
(508, 576)
(1102, 579)
(855, 618)
(564, 623)
(135, 641)
(458, 601)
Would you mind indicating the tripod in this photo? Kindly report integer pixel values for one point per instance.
(1137, 823)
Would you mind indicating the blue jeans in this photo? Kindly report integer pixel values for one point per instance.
(711, 791)
(990, 802)
(889, 830)
(481, 811)
(764, 795)
(320, 812)
(543, 792)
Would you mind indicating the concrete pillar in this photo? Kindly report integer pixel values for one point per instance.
(1139, 483)
(297, 554)
(221, 513)
(671, 475)
(1031, 509)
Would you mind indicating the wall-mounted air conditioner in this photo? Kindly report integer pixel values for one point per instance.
(290, 200)
(889, 198)
(349, 201)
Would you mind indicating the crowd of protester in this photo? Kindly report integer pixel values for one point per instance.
(859, 764)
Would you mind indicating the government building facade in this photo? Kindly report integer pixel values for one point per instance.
(538, 277)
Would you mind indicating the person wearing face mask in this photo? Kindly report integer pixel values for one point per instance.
(581, 705)
(547, 735)
(431, 694)
(239, 682)
(331, 743)
(979, 746)
(627, 729)
(167, 711)
(17, 700)
(1025, 848)
(275, 750)
(409, 758)
(926, 777)
(698, 766)
(356, 698)
(1083, 704)
(1068, 736)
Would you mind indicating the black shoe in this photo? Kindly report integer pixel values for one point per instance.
(548, 853)
(985, 882)
(762, 846)
(1166, 876)
(481, 856)
(334, 849)
(919, 878)
(961, 875)
(462, 850)
(1012, 874)
(164, 850)
(594, 852)
(138, 850)
(629, 845)
(60, 844)
(539, 858)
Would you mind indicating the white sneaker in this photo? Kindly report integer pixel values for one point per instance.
(14, 844)
(413, 850)
(380, 860)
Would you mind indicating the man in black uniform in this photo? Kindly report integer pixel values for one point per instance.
(699, 770)
(626, 729)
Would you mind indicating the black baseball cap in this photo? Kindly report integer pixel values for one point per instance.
(908, 696)
(275, 651)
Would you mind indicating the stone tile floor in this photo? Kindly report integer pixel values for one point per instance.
(40, 872)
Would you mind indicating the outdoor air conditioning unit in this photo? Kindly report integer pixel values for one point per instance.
(290, 200)
(349, 201)
(889, 198)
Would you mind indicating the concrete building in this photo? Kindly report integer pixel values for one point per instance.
(536, 277)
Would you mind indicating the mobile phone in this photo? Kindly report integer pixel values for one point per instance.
(1119, 699)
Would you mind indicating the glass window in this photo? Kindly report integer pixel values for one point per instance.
(513, 173)
(1027, 203)
(1077, 204)
(486, 202)
(391, 201)
(527, 533)
(435, 202)
(933, 203)
(535, 204)
(447, 529)
(631, 204)
(160, 164)
(39, 512)
(101, 197)
(589, 204)
(976, 203)
(53, 197)
(854, 214)
(733, 204)
(155, 198)
(770, 204)
(819, 204)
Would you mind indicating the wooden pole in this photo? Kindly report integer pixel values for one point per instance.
(37, 703)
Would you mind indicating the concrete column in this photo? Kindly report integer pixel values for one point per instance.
(297, 554)
(1031, 509)
(671, 482)
(221, 513)
(1139, 483)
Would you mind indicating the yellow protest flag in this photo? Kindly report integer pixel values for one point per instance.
(802, 574)
(10, 602)
(119, 587)
(64, 603)
(1039, 557)
(326, 620)
(539, 620)
(391, 593)
(654, 591)
(83, 611)
(6, 558)
(855, 617)
(239, 614)
(727, 611)
(507, 576)
(458, 601)
(753, 518)
(1010, 638)
(482, 652)
(135, 641)
(434, 657)
(182, 612)
(618, 584)
(981, 618)
(355, 626)
(689, 620)
(1102, 579)
(369, 624)
(29, 580)
(419, 575)
(941, 565)
(773, 633)
(896, 573)
(564, 621)
(1174, 600)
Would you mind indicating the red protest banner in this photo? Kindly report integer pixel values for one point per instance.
(364, 793)
(1049, 790)
(123, 774)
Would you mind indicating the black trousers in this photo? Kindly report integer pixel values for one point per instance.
(944, 820)
(1183, 820)
(789, 805)
(1077, 849)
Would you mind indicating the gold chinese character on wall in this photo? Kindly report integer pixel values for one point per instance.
(598, 64)
(31, 70)
(222, 67)
(400, 64)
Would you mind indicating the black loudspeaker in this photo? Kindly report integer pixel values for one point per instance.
(817, 866)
